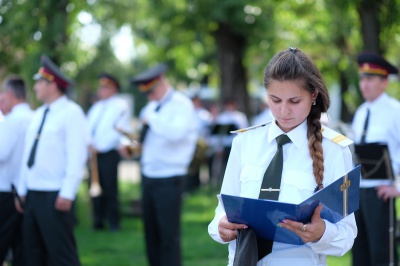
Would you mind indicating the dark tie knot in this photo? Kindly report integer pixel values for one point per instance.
(282, 139)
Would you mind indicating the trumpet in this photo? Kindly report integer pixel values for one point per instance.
(95, 188)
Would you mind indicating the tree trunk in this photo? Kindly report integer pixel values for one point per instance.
(345, 114)
(55, 36)
(370, 25)
(231, 48)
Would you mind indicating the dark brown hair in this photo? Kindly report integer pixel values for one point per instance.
(294, 65)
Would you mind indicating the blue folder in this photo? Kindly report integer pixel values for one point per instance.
(339, 199)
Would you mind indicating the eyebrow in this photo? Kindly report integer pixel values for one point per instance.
(293, 98)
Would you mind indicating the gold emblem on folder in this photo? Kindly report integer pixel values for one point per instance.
(345, 185)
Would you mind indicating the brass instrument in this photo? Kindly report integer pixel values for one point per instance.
(95, 188)
(135, 147)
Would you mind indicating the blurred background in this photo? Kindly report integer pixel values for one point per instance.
(214, 48)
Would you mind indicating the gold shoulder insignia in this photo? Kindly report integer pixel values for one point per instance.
(335, 137)
(250, 128)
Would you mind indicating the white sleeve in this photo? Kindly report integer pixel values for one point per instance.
(76, 145)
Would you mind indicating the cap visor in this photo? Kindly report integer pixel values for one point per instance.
(37, 76)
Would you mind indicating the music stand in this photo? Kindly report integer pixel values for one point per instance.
(375, 160)
(223, 129)
(376, 164)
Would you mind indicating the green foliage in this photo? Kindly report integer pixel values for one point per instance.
(182, 32)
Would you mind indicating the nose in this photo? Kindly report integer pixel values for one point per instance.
(285, 110)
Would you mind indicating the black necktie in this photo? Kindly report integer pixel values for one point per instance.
(364, 133)
(272, 176)
(146, 128)
(249, 248)
(31, 160)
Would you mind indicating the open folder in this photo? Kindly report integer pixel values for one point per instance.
(339, 199)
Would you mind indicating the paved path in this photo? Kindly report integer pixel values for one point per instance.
(129, 170)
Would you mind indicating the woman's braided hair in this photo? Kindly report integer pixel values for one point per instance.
(294, 65)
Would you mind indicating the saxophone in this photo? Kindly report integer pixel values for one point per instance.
(135, 148)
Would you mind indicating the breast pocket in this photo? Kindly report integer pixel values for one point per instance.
(250, 179)
(296, 186)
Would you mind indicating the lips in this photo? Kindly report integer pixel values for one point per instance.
(285, 120)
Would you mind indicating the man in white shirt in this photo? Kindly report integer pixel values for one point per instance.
(229, 119)
(202, 152)
(107, 117)
(53, 165)
(12, 142)
(376, 120)
(168, 138)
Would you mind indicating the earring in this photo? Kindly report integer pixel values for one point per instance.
(314, 103)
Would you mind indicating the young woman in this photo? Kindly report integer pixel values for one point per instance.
(297, 95)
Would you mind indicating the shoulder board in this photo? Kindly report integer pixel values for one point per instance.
(335, 137)
(250, 128)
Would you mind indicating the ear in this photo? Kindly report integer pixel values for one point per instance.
(314, 95)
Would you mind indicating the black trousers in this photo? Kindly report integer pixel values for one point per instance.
(162, 200)
(371, 246)
(47, 233)
(106, 206)
(10, 229)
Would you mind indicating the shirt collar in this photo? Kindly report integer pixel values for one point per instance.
(20, 106)
(298, 135)
(378, 101)
(167, 96)
(109, 99)
(57, 103)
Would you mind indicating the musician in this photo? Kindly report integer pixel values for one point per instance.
(52, 169)
(12, 136)
(376, 120)
(203, 150)
(105, 117)
(167, 149)
(221, 141)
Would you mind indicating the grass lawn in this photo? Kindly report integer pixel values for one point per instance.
(126, 247)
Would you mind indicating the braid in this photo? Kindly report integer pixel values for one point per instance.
(294, 65)
(314, 135)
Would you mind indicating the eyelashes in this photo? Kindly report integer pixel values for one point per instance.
(292, 102)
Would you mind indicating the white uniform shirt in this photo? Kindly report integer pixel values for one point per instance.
(171, 139)
(384, 126)
(61, 153)
(103, 117)
(204, 121)
(12, 142)
(251, 154)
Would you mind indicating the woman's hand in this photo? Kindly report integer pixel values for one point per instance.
(311, 232)
(228, 231)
